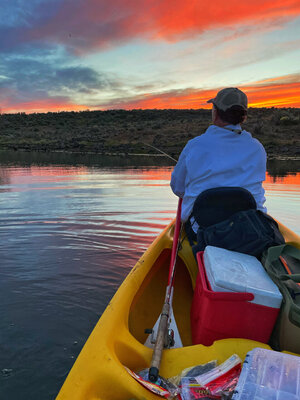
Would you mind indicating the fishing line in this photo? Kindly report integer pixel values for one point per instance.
(166, 154)
(174, 159)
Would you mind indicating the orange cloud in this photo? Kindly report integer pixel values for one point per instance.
(278, 92)
(41, 106)
(98, 23)
(194, 16)
(188, 98)
(275, 92)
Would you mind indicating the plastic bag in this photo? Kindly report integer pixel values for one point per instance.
(154, 387)
(193, 371)
(192, 390)
(198, 369)
(218, 383)
(221, 381)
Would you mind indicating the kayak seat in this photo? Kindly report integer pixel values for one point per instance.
(218, 204)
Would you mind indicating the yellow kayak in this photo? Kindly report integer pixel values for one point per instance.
(119, 336)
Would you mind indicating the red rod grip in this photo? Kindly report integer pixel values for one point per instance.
(175, 242)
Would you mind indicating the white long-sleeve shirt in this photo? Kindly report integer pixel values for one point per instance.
(219, 157)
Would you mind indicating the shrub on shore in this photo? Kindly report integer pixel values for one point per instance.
(120, 131)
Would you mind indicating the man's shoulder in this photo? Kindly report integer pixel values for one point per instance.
(204, 136)
(198, 142)
(254, 141)
(250, 135)
(196, 139)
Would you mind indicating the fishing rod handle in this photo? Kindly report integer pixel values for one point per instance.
(159, 343)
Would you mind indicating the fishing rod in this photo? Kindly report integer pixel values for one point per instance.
(166, 154)
(167, 312)
(167, 315)
(163, 339)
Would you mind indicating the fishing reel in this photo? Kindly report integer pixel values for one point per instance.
(170, 342)
(169, 338)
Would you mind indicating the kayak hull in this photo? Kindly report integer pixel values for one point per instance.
(118, 338)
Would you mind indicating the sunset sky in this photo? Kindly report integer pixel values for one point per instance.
(98, 54)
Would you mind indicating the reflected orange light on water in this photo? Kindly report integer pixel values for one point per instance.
(48, 171)
(158, 176)
(164, 174)
(110, 199)
(288, 184)
(290, 179)
(27, 175)
(148, 174)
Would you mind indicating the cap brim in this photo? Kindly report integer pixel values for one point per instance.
(210, 101)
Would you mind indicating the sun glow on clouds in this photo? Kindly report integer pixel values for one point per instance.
(273, 92)
(43, 105)
(147, 54)
(93, 24)
(267, 93)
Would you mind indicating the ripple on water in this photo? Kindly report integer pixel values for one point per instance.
(69, 236)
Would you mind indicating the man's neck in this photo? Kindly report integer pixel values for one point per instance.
(221, 124)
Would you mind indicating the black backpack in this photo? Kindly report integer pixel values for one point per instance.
(228, 218)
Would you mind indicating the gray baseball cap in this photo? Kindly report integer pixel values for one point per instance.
(229, 97)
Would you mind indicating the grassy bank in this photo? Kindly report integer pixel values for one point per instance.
(119, 131)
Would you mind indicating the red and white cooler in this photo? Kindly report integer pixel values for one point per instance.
(234, 298)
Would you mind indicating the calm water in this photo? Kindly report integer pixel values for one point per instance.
(71, 229)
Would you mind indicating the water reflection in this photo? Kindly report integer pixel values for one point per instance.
(43, 159)
(283, 195)
(69, 236)
(278, 168)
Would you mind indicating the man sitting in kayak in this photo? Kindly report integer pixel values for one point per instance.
(225, 155)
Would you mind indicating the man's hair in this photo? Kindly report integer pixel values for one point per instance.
(233, 115)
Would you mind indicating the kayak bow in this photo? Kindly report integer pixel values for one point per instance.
(118, 339)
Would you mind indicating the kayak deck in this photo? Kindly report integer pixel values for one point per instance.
(147, 303)
(118, 338)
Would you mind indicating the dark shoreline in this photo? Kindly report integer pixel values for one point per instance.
(276, 167)
(152, 155)
(134, 132)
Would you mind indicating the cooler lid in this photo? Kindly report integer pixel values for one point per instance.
(230, 271)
